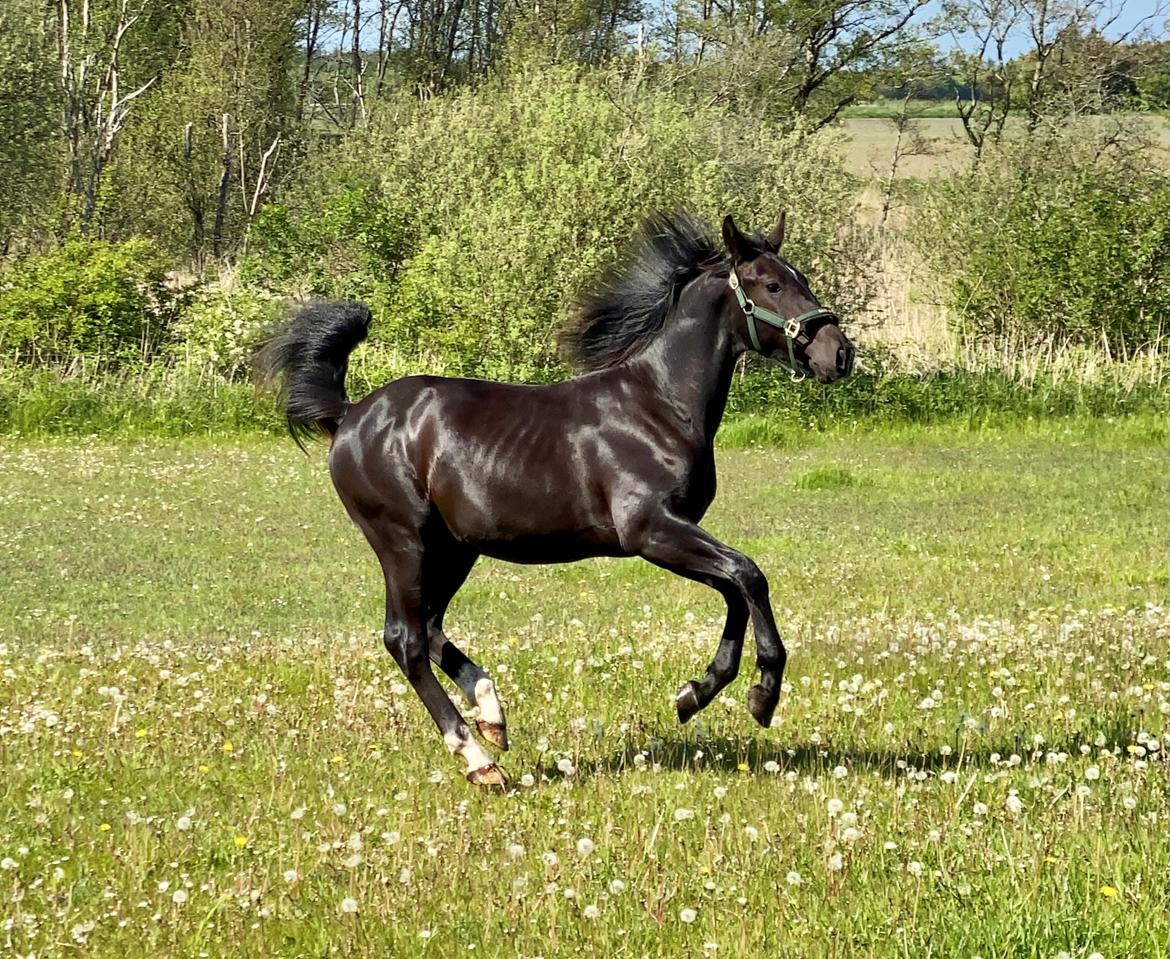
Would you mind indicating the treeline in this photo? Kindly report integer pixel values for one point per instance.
(176, 173)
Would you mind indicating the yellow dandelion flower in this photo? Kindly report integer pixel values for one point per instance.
(77, 754)
(338, 759)
(1108, 892)
(1131, 749)
(241, 841)
(140, 734)
(1051, 859)
(104, 827)
(204, 768)
(743, 767)
(227, 747)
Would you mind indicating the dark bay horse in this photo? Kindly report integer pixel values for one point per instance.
(618, 461)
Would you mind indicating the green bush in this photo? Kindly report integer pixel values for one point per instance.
(88, 299)
(222, 325)
(1051, 239)
(470, 221)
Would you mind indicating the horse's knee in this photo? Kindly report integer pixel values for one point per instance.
(401, 642)
(751, 578)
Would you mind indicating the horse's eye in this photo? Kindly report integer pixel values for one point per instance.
(773, 287)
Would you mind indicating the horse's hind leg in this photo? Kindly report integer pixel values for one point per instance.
(695, 695)
(446, 565)
(406, 639)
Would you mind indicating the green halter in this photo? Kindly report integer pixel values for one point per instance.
(792, 328)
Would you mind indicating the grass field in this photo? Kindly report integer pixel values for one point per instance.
(206, 752)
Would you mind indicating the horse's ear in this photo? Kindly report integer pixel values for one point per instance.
(737, 243)
(776, 237)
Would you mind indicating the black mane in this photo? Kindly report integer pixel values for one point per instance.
(635, 295)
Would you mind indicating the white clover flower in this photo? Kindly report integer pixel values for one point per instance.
(585, 846)
(687, 915)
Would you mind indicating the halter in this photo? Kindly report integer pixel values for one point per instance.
(792, 328)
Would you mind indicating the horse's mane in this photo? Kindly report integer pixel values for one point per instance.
(635, 295)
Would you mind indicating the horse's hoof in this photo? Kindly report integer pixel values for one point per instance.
(494, 733)
(687, 701)
(491, 776)
(761, 705)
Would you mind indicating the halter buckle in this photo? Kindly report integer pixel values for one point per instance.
(792, 329)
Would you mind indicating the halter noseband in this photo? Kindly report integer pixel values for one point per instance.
(792, 328)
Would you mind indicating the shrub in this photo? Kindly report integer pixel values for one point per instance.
(222, 325)
(91, 299)
(484, 212)
(1051, 239)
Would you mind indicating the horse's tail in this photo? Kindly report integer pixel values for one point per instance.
(307, 360)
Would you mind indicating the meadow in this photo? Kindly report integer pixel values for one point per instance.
(207, 752)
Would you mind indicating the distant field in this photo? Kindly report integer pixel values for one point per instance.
(207, 752)
(871, 144)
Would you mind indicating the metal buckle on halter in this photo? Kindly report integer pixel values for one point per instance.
(792, 329)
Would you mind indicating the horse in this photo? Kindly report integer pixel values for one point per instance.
(617, 461)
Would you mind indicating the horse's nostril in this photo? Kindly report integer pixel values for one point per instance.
(844, 359)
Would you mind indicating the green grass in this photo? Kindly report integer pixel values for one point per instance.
(188, 637)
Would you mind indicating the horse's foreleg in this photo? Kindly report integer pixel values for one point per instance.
(688, 550)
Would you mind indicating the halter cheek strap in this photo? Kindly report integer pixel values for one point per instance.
(792, 328)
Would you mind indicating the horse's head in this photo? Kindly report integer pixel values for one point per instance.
(777, 314)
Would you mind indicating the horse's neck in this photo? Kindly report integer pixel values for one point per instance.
(692, 359)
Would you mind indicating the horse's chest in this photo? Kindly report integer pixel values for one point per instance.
(697, 489)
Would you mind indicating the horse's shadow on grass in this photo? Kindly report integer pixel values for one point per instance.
(731, 754)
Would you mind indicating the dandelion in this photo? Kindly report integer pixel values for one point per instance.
(681, 814)
(227, 747)
(515, 851)
(241, 841)
(840, 772)
(183, 823)
(565, 766)
(835, 806)
(616, 887)
(771, 766)
(687, 915)
(914, 867)
(719, 792)
(290, 876)
(591, 911)
(1109, 892)
(549, 859)
(1092, 773)
(743, 767)
(527, 781)
(835, 863)
(1013, 804)
(353, 861)
(349, 905)
(104, 827)
(980, 809)
(140, 734)
(752, 833)
(8, 863)
(585, 846)
(179, 897)
(793, 878)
